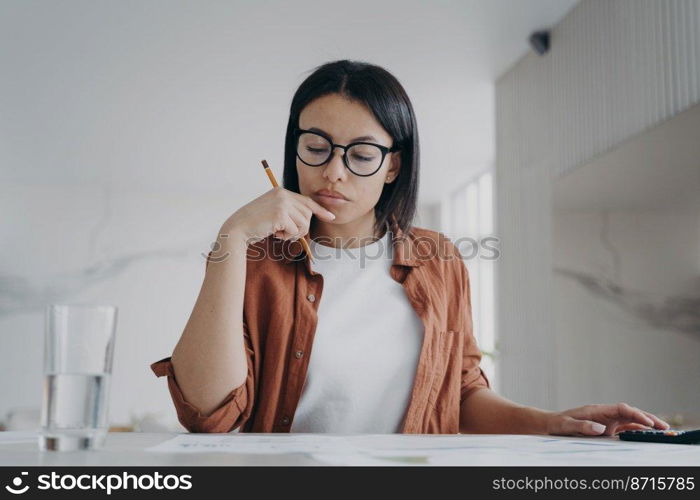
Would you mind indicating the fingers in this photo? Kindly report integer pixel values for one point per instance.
(304, 211)
(588, 427)
(316, 208)
(293, 220)
(634, 414)
(305, 214)
(662, 424)
(301, 220)
(570, 426)
(629, 427)
(291, 213)
(625, 412)
(286, 229)
(619, 417)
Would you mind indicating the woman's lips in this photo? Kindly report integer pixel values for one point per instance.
(330, 200)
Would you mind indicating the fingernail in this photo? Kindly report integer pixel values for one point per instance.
(598, 427)
(332, 215)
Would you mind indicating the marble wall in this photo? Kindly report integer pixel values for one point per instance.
(139, 251)
(626, 308)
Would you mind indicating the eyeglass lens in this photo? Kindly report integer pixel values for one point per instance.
(314, 150)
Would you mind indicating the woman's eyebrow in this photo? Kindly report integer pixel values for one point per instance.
(363, 138)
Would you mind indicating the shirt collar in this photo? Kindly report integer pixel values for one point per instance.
(406, 251)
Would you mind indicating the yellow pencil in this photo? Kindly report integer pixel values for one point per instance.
(271, 176)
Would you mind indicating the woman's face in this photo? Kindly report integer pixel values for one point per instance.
(344, 121)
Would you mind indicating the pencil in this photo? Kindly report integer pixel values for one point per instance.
(271, 176)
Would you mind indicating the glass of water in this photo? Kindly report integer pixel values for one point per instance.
(78, 355)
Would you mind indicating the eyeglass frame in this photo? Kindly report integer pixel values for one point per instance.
(384, 150)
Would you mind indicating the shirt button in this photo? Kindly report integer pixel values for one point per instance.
(285, 420)
(299, 354)
(311, 297)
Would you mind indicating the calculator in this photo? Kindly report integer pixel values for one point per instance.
(660, 436)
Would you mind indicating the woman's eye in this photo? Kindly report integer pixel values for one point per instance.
(317, 150)
(362, 158)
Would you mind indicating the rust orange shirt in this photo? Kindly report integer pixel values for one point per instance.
(281, 302)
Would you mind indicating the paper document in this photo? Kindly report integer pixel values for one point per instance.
(253, 444)
(459, 449)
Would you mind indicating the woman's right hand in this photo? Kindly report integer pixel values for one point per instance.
(281, 212)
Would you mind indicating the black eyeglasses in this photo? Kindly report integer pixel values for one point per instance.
(361, 158)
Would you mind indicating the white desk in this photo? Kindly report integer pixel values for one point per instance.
(127, 449)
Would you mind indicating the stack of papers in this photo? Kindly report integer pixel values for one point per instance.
(460, 449)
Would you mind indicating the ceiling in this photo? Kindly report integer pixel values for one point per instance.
(186, 96)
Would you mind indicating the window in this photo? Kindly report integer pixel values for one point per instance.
(466, 217)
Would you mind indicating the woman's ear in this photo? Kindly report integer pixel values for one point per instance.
(393, 172)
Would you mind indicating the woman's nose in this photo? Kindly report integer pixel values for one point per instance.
(335, 168)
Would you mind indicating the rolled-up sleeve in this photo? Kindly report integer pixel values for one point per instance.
(233, 411)
(473, 377)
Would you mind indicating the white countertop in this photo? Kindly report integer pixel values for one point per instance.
(129, 449)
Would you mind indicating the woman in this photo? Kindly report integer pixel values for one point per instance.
(393, 344)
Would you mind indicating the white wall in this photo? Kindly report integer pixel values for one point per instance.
(614, 69)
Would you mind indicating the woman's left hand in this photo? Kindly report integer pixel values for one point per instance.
(602, 420)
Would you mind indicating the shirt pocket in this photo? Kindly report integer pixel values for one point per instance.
(446, 370)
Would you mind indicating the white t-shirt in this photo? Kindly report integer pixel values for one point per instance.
(366, 346)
